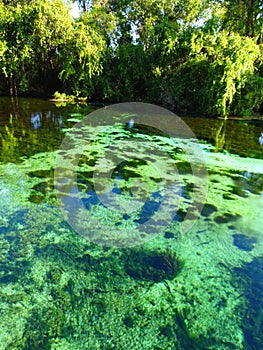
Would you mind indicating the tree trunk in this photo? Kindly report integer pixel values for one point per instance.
(12, 87)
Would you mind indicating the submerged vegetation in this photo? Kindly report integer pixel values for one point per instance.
(177, 291)
(190, 56)
(152, 266)
(200, 289)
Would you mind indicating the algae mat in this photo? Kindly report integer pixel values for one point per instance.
(199, 290)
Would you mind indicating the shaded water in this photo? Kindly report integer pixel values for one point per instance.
(30, 126)
(58, 290)
(237, 136)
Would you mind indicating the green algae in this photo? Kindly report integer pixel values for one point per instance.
(60, 291)
(108, 147)
(152, 266)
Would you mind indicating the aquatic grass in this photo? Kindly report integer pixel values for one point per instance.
(153, 266)
(60, 291)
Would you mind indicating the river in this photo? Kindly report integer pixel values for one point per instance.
(128, 235)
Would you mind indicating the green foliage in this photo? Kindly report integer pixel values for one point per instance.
(248, 100)
(230, 60)
(210, 72)
(40, 41)
(244, 17)
(15, 32)
(83, 56)
(30, 35)
(125, 76)
(190, 56)
(64, 97)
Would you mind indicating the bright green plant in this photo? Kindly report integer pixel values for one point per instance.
(83, 56)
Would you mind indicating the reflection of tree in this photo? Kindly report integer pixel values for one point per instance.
(237, 136)
(28, 128)
(15, 139)
(219, 136)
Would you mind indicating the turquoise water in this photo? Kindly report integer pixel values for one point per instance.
(59, 290)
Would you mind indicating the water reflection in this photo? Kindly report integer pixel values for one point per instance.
(18, 139)
(236, 136)
(36, 120)
(260, 139)
(29, 126)
(220, 136)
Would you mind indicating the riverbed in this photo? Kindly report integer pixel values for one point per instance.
(119, 271)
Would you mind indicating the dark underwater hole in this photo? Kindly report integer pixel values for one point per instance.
(41, 187)
(36, 197)
(91, 199)
(168, 234)
(152, 266)
(183, 167)
(42, 174)
(180, 215)
(146, 129)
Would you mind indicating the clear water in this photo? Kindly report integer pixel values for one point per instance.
(58, 290)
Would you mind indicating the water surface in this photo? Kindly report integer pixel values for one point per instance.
(58, 290)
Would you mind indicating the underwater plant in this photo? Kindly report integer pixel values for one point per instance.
(153, 265)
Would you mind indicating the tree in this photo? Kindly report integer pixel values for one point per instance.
(53, 30)
(244, 17)
(40, 42)
(188, 55)
(16, 29)
(30, 37)
(84, 54)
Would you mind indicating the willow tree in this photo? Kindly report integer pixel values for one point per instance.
(200, 66)
(16, 29)
(244, 17)
(85, 52)
(30, 35)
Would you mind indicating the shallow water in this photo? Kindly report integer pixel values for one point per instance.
(60, 290)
